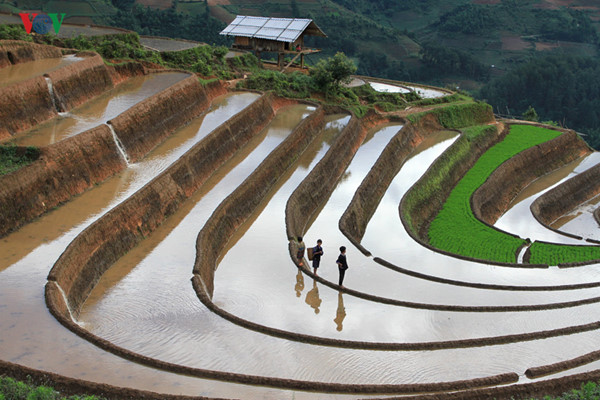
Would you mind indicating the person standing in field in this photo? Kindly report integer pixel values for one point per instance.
(317, 253)
(300, 253)
(342, 265)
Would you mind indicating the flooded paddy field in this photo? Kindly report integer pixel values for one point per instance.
(21, 72)
(99, 110)
(268, 329)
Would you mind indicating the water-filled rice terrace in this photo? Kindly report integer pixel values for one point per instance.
(149, 251)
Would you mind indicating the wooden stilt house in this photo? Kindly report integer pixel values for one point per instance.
(278, 35)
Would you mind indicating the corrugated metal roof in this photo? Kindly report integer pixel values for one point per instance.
(280, 29)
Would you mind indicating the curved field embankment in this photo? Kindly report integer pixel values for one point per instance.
(563, 198)
(17, 52)
(85, 260)
(238, 207)
(364, 203)
(316, 188)
(72, 386)
(73, 165)
(148, 123)
(492, 198)
(423, 201)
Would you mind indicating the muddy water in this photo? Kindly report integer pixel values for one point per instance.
(154, 280)
(46, 344)
(67, 221)
(21, 72)
(98, 110)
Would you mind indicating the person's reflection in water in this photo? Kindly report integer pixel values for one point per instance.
(340, 313)
(312, 297)
(299, 283)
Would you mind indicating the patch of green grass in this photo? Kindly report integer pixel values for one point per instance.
(455, 229)
(12, 157)
(554, 254)
(11, 389)
(456, 116)
(14, 32)
(588, 391)
(295, 85)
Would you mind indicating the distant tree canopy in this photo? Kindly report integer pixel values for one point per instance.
(443, 60)
(469, 18)
(169, 23)
(563, 24)
(559, 87)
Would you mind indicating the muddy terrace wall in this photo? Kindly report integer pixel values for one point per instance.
(79, 82)
(17, 52)
(149, 122)
(94, 250)
(315, 189)
(26, 104)
(422, 202)
(566, 196)
(238, 207)
(71, 386)
(370, 192)
(64, 169)
(73, 165)
(492, 198)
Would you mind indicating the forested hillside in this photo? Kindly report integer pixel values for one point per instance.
(512, 53)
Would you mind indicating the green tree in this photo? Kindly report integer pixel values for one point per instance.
(531, 115)
(329, 73)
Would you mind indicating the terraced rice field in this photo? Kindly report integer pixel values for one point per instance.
(253, 324)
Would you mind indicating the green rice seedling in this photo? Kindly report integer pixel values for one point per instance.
(554, 254)
(456, 229)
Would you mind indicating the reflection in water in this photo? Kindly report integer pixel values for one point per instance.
(340, 313)
(312, 297)
(299, 287)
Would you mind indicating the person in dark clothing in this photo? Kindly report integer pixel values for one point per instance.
(342, 264)
(300, 253)
(317, 253)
